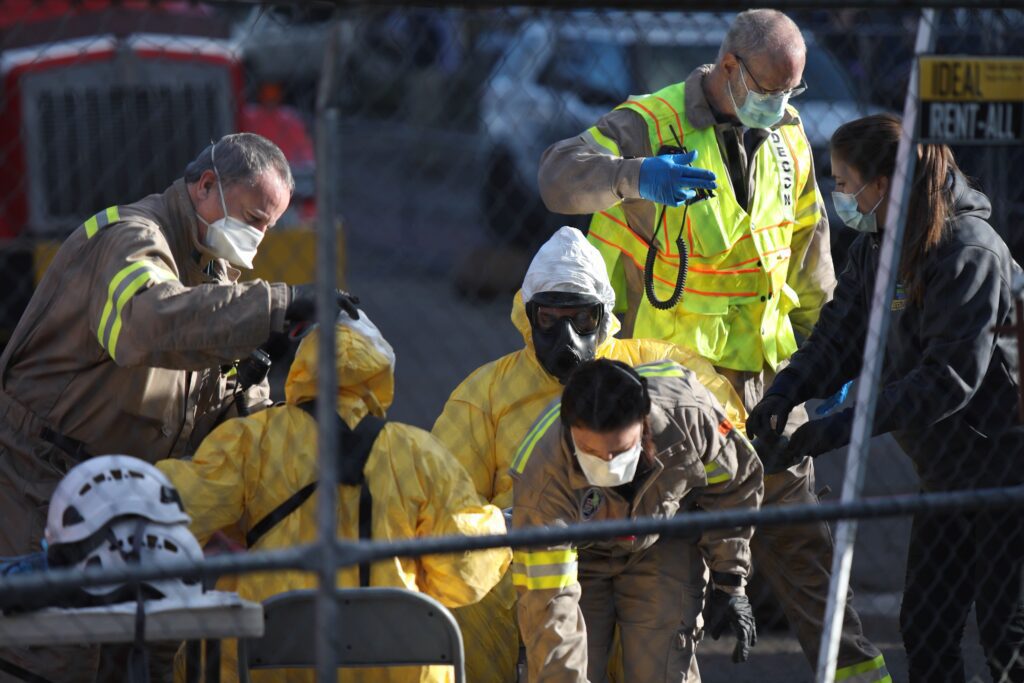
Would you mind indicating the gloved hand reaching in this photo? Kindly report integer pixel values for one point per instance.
(735, 612)
(773, 451)
(302, 305)
(820, 436)
(768, 418)
(670, 179)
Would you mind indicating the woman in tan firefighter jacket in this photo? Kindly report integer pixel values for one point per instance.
(626, 443)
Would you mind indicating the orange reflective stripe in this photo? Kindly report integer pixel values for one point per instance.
(722, 271)
(668, 260)
(724, 427)
(663, 280)
(676, 113)
(657, 126)
(735, 295)
(724, 251)
(631, 257)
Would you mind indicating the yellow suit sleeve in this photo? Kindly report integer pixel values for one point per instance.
(212, 483)
(452, 507)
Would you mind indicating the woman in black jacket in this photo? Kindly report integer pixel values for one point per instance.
(949, 391)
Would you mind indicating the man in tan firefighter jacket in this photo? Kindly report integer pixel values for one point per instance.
(128, 343)
(759, 265)
(625, 443)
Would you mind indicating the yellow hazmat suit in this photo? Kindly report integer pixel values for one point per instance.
(485, 420)
(249, 466)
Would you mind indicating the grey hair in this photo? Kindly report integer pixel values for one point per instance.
(761, 31)
(241, 158)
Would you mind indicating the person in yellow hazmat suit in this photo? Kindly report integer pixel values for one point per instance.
(488, 415)
(249, 466)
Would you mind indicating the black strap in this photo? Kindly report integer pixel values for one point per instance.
(260, 529)
(354, 450)
(73, 447)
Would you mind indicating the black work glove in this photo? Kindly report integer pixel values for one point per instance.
(735, 612)
(772, 450)
(820, 436)
(768, 418)
(302, 305)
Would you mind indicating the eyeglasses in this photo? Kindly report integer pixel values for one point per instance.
(792, 92)
(584, 319)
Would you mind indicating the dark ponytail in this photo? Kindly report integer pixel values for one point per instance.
(869, 145)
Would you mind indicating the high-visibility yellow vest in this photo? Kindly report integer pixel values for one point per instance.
(735, 306)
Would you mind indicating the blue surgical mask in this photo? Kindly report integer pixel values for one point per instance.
(846, 208)
(758, 109)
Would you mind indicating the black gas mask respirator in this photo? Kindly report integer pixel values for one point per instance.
(565, 329)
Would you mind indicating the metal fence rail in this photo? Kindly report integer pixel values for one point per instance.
(414, 131)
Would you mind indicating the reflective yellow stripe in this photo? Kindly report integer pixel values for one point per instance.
(115, 282)
(533, 436)
(533, 558)
(102, 219)
(544, 569)
(604, 141)
(872, 671)
(110, 321)
(665, 369)
(716, 474)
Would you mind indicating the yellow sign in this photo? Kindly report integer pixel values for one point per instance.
(948, 78)
(971, 100)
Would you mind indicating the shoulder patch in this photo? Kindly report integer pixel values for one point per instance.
(899, 298)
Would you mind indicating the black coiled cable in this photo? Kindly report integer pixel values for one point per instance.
(684, 264)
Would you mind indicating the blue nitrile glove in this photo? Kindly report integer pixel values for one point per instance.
(23, 564)
(670, 179)
(833, 401)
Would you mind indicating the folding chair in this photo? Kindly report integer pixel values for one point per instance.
(376, 627)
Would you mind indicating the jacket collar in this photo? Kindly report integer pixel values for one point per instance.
(699, 113)
(189, 253)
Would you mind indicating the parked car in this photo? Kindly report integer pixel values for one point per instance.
(560, 73)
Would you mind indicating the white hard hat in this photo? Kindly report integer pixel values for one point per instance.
(105, 488)
(158, 544)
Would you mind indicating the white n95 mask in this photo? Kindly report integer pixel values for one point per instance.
(229, 238)
(619, 470)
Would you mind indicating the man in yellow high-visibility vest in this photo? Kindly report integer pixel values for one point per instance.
(756, 257)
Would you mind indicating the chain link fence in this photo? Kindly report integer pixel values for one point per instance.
(417, 133)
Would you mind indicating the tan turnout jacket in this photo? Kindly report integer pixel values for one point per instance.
(125, 348)
(701, 462)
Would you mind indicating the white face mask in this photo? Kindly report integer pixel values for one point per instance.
(229, 238)
(619, 470)
(846, 209)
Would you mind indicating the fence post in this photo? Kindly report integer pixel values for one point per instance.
(874, 352)
(327, 381)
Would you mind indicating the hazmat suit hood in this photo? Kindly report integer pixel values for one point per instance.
(566, 263)
(365, 365)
